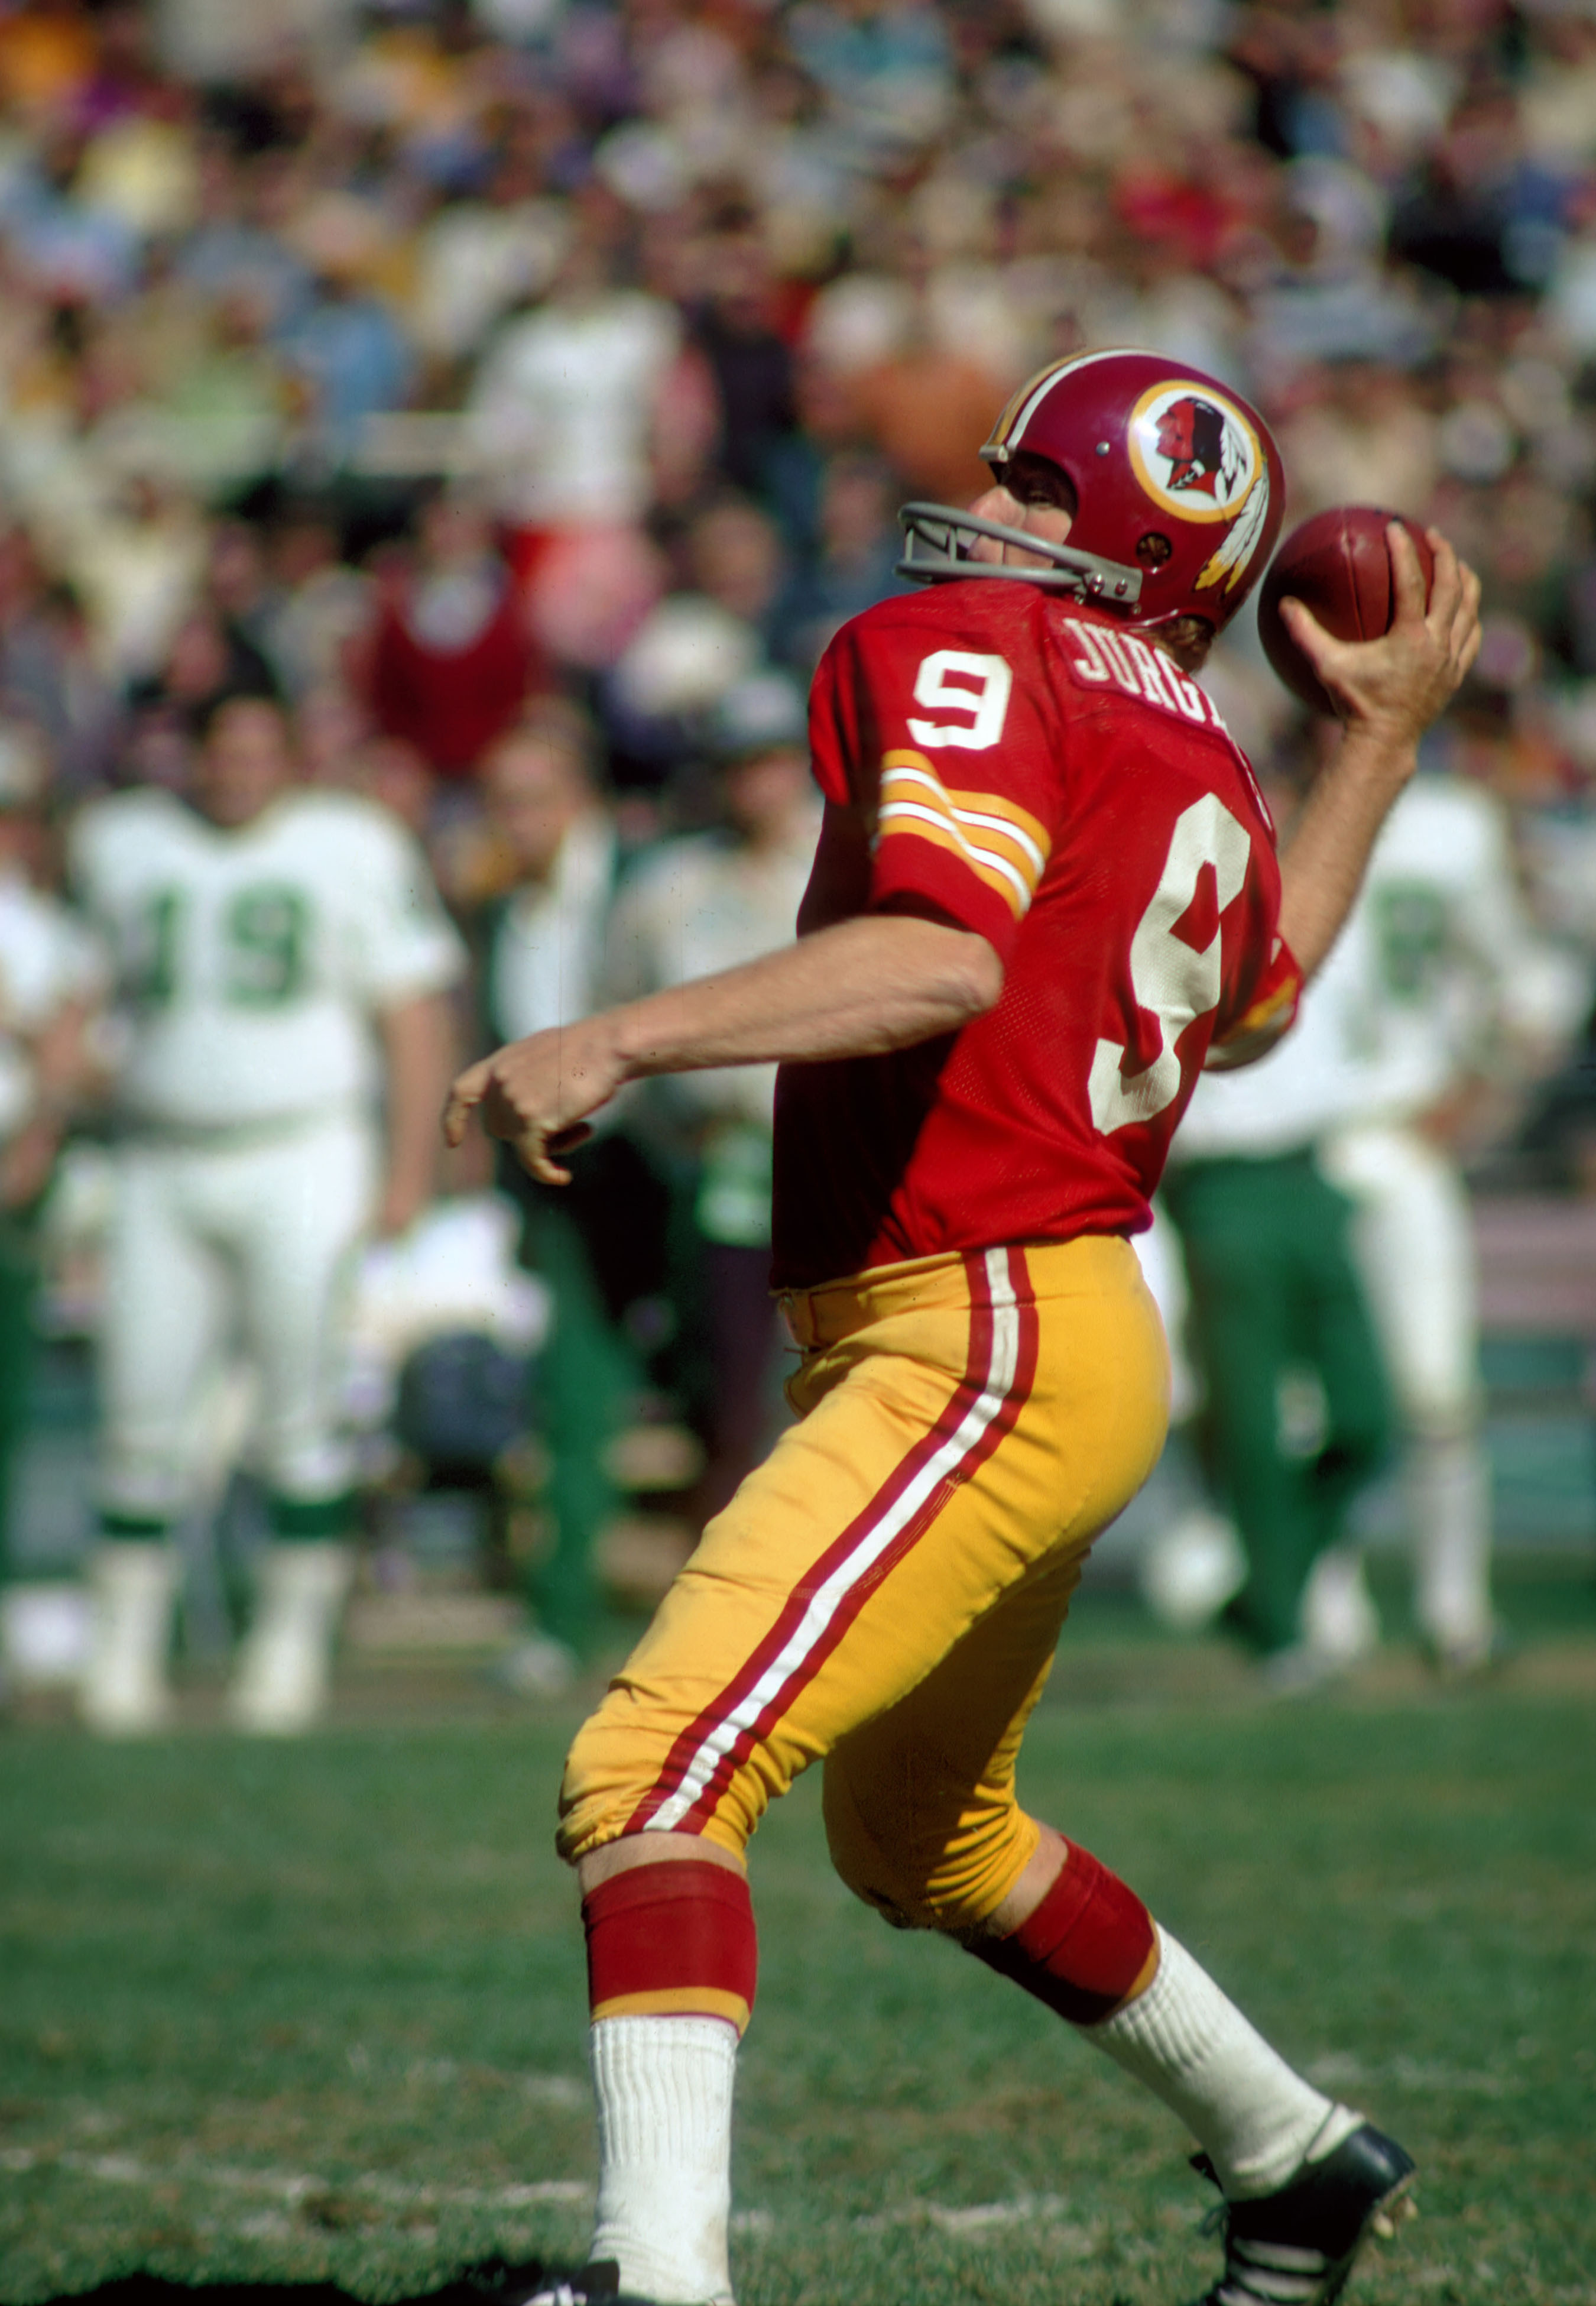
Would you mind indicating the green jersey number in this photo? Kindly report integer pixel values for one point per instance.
(265, 936)
(152, 971)
(1411, 924)
(265, 947)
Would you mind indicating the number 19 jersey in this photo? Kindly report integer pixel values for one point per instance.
(252, 963)
(1021, 766)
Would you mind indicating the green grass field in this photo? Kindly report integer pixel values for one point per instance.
(317, 2012)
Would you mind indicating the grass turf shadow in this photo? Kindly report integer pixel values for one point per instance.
(494, 2282)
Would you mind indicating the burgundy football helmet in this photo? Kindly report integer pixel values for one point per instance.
(1179, 486)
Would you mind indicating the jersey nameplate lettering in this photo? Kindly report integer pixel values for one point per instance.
(1099, 659)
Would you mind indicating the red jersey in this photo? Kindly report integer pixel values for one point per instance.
(1019, 765)
(451, 703)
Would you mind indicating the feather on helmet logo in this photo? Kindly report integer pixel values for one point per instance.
(1197, 457)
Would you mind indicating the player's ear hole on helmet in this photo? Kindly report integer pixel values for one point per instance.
(1154, 549)
(1033, 480)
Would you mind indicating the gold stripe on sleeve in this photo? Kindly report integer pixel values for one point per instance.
(1002, 844)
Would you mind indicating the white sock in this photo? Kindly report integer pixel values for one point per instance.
(284, 1674)
(1340, 1622)
(663, 2087)
(1449, 1500)
(1255, 2120)
(132, 1583)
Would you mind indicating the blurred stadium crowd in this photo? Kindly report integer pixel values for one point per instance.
(520, 393)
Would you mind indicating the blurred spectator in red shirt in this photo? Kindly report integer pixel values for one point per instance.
(452, 659)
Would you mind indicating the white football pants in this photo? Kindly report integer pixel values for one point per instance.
(1414, 1244)
(247, 1247)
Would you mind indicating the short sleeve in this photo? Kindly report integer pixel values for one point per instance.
(941, 749)
(1267, 1014)
(407, 945)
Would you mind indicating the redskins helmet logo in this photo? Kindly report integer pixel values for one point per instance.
(1202, 459)
(1197, 457)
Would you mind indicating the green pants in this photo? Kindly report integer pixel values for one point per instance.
(1275, 1298)
(602, 1243)
(589, 1376)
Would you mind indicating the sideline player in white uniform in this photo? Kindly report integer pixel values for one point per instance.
(1436, 968)
(1458, 971)
(1296, 1421)
(281, 960)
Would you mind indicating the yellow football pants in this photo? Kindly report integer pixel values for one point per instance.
(887, 1590)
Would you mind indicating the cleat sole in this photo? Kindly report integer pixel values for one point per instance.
(1397, 2210)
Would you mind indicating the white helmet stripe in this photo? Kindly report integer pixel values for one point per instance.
(1045, 385)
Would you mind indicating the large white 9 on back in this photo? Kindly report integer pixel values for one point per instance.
(984, 706)
(1168, 977)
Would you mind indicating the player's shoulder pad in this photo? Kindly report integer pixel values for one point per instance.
(974, 609)
(136, 805)
(332, 813)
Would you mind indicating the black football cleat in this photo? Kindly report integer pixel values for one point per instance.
(1297, 2247)
(593, 2286)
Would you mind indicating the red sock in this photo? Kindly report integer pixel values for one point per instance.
(1085, 1946)
(675, 1939)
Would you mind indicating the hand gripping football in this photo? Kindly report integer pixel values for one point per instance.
(1338, 565)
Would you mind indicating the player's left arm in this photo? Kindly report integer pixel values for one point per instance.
(409, 958)
(1386, 692)
(881, 981)
(418, 1046)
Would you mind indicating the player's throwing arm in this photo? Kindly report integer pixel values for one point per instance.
(1388, 692)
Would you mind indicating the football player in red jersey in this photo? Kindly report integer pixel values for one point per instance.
(1045, 894)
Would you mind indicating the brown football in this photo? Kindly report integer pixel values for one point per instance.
(1337, 564)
